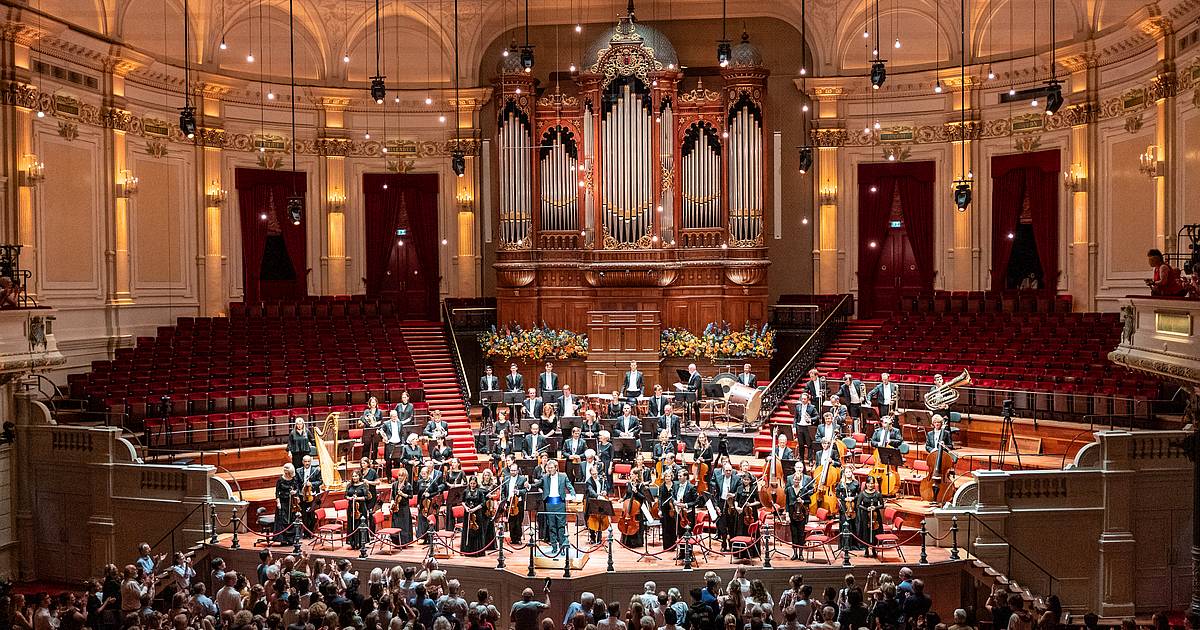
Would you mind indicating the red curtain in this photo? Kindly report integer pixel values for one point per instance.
(916, 202)
(265, 192)
(409, 199)
(1043, 208)
(1008, 193)
(385, 211)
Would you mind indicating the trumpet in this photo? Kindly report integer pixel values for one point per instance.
(944, 395)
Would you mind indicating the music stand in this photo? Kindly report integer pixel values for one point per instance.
(551, 395)
(650, 425)
(454, 495)
(889, 456)
(624, 448)
(491, 397)
(525, 466)
(686, 398)
(714, 390)
(602, 507)
(568, 423)
(535, 503)
(631, 396)
(524, 424)
(684, 375)
(513, 398)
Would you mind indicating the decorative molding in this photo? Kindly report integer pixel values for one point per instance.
(830, 137)
(1027, 144)
(1133, 124)
(156, 147)
(68, 130)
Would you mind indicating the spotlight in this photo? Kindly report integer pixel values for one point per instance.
(806, 159)
(527, 58)
(295, 208)
(878, 73)
(962, 195)
(724, 52)
(458, 162)
(187, 121)
(1054, 97)
(378, 89)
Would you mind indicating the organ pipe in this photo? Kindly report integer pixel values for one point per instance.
(516, 185)
(558, 174)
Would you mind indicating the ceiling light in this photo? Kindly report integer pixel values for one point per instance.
(271, 95)
(396, 100)
(724, 134)
(876, 124)
(572, 67)
(263, 216)
(804, 107)
(458, 162)
(891, 157)
(1012, 91)
(897, 44)
(872, 244)
(429, 100)
(1054, 97)
(874, 189)
(41, 114)
(250, 57)
(578, 28)
(345, 58)
(724, 52)
(991, 73)
(442, 119)
(518, 90)
(937, 88)
(803, 71)
(223, 45)
(504, 53)
(384, 149)
(866, 34)
(366, 135)
(1034, 102)
(445, 242)
(385, 186)
(804, 221)
(866, 130)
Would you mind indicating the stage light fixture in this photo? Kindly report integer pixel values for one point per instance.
(295, 208)
(458, 162)
(527, 58)
(962, 195)
(187, 121)
(806, 159)
(724, 52)
(378, 89)
(1054, 97)
(878, 73)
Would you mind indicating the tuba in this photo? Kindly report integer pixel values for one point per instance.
(941, 397)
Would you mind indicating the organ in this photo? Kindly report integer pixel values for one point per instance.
(633, 186)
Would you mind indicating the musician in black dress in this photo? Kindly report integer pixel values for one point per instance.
(702, 452)
(402, 491)
(676, 507)
(501, 424)
(441, 453)
(405, 411)
(370, 475)
(869, 513)
(474, 521)
(285, 508)
(664, 446)
(502, 448)
(299, 443)
(411, 455)
(358, 515)
(549, 419)
(635, 489)
(615, 405)
(429, 496)
(372, 419)
(847, 491)
(798, 495)
(747, 504)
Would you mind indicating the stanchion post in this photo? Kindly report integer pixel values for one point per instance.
(924, 533)
(532, 544)
(766, 542)
(954, 538)
(235, 521)
(845, 534)
(212, 523)
(687, 554)
(362, 550)
(499, 550)
(297, 532)
(567, 560)
(610, 568)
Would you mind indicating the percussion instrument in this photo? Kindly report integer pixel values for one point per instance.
(743, 402)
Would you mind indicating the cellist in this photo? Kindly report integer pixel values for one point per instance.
(634, 500)
(594, 489)
(939, 436)
(826, 474)
(939, 442)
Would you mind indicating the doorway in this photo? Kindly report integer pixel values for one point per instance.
(402, 241)
(896, 234)
(896, 274)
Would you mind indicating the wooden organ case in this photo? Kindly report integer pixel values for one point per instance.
(623, 192)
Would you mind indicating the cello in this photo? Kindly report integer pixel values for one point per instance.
(771, 494)
(886, 476)
(628, 524)
(935, 486)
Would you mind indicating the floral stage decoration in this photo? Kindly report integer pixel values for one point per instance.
(533, 344)
(719, 341)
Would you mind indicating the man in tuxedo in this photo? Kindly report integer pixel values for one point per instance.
(532, 407)
(887, 392)
(804, 421)
(548, 381)
(838, 410)
(726, 483)
(556, 491)
(514, 486)
(678, 498)
(489, 382)
(573, 449)
(828, 429)
(665, 445)
(815, 387)
(748, 378)
(670, 422)
(309, 475)
(392, 433)
(629, 426)
(886, 435)
(781, 451)
(829, 453)
(695, 383)
(436, 426)
(852, 393)
(633, 380)
(535, 442)
(514, 382)
(569, 405)
(657, 402)
(939, 435)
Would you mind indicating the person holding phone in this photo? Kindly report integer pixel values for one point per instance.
(526, 613)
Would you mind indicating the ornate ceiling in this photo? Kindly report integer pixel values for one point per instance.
(417, 35)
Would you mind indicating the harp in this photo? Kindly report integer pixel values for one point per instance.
(328, 430)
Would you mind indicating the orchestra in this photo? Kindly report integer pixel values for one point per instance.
(680, 473)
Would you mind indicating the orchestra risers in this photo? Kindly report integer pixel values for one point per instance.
(1045, 437)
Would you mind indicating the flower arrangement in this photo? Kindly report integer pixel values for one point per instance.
(719, 340)
(533, 344)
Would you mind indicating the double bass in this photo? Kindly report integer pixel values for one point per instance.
(935, 487)
(827, 477)
(771, 494)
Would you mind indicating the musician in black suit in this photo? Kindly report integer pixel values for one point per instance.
(780, 450)
(309, 475)
(514, 382)
(633, 380)
(829, 452)
(548, 380)
(569, 405)
(657, 402)
(532, 407)
(748, 378)
(573, 449)
(512, 490)
(854, 394)
(887, 392)
(670, 422)
(804, 422)
(725, 484)
(886, 435)
(628, 426)
(594, 488)
(299, 443)
(489, 382)
(815, 387)
(939, 435)
(392, 433)
(798, 494)
(828, 429)
(436, 426)
(535, 442)
(556, 491)
(695, 384)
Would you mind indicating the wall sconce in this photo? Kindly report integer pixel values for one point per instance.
(827, 196)
(33, 172)
(1149, 163)
(127, 184)
(336, 202)
(466, 201)
(1074, 180)
(215, 195)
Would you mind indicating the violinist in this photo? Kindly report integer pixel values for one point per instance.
(359, 513)
(847, 492)
(747, 506)
(591, 424)
(668, 514)
(799, 493)
(429, 494)
(370, 478)
(491, 490)
(285, 492)
(411, 455)
(441, 453)
(372, 418)
(724, 488)
(474, 500)
(867, 522)
(939, 436)
(664, 446)
(886, 435)
(682, 498)
(502, 425)
(635, 492)
(594, 489)
(828, 430)
(839, 411)
(308, 481)
(549, 419)
(502, 448)
(402, 491)
(573, 449)
(670, 422)
(604, 453)
(512, 494)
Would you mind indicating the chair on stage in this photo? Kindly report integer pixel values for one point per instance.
(824, 541)
(331, 524)
(383, 533)
(739, 544)
(890, 539)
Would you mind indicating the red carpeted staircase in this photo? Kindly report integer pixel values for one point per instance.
(851, 337)
(431, 354)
